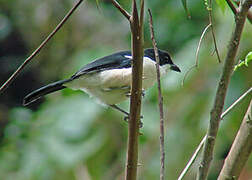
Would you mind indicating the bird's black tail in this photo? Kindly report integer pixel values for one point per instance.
(35, 95)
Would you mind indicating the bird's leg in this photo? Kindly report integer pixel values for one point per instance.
(126, 118)
(119, 109)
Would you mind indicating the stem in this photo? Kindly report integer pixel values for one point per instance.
(160, 100)
(123, 11)
(191, 161)
(136, 91)
(215, 115)
(234, 10)
(240, 150)
(16, 73)
(236, 102)
(195, 154)
(136, 25)
(197, 53)
(231, 6)
(212, 30)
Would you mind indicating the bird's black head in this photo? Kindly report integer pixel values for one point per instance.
(163, 56)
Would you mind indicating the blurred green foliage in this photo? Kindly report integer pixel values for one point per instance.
(68, 135)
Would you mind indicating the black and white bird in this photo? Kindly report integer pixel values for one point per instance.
(109, 78)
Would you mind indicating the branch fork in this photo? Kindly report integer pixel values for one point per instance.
(136, 25)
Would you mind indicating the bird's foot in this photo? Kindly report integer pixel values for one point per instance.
(126, 118)
(128, 94)
(143, 93)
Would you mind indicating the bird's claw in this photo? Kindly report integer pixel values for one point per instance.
(126, 118)
(128, 94)
(143, 93)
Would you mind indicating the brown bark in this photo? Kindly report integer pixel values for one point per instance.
(240, 150)
(215, 115)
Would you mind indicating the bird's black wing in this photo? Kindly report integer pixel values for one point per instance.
(114, 61)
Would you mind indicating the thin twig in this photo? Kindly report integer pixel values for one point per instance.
(232, 7)
(160, 100)
(198, 48)
(212, 29)
(191, 161)
(197, 54)
(16, 73)
(123, 11)
(215, 115)
(235, 103)
(240, 150)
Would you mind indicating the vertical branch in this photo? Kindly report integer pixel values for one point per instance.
(190, 162)
(215, 115)
(136, 25)
(136, 91)
(160, 100)
(240, 150)
(16, 73)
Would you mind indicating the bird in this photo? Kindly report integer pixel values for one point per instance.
(108, 79)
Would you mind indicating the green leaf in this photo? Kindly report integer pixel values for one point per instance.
(222, 4)
(184, 2)
(248, 58)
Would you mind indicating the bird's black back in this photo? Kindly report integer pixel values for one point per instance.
(113, 61)
(120, 60)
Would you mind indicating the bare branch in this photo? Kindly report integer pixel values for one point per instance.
(249, 16)
(232, 7)
(191, 161)
(240, 150)
(136, 91)
(212, 29)
(16, 73)
(235, 103)
(142, 18)
(123, 11)
(195, 154)
(222, 90)
(197, 54)
(160, 100)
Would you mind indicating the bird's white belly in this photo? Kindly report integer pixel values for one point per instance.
(109, 87)
(113, 86)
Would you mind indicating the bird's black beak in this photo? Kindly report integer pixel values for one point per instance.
(175, 68)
